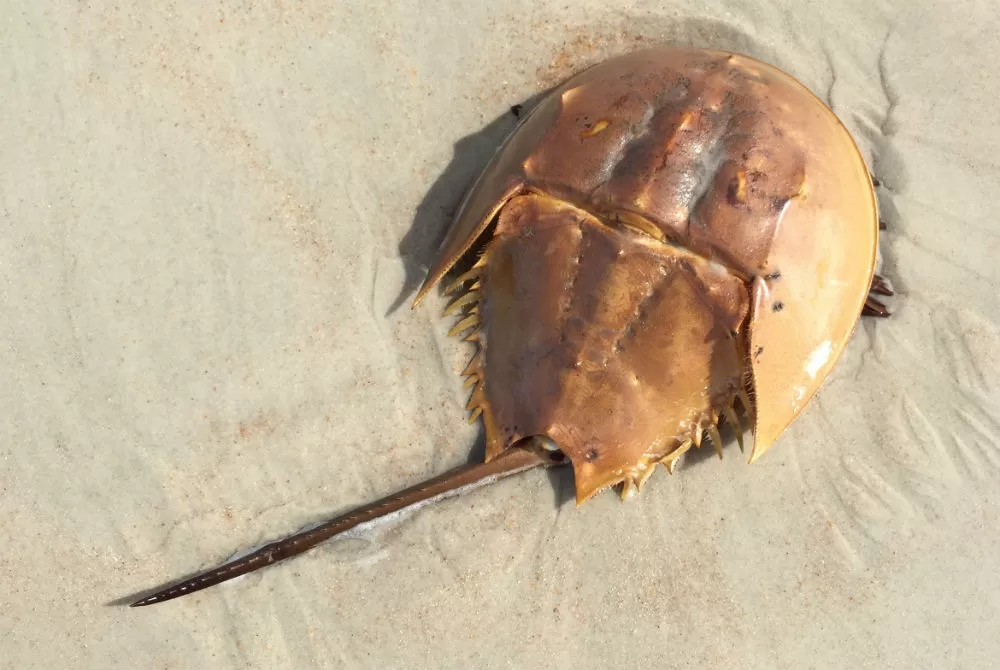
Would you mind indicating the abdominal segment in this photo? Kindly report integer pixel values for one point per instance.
(617, 346)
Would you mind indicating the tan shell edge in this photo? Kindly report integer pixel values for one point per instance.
(457, 247)
(500, 181)
(801, 322)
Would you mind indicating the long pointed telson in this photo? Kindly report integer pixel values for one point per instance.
(533, 453)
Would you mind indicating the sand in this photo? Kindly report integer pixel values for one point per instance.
(214, 216)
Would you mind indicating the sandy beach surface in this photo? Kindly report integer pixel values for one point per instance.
(213, 217)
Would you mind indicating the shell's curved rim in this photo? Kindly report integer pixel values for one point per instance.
(759, 448)
(433, 278)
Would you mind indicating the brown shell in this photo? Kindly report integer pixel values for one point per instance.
(674, 229)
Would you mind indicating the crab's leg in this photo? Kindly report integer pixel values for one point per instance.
(880, 286)
(509, 462)
(873, 306)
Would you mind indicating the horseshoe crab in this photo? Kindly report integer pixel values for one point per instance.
(669, 239)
